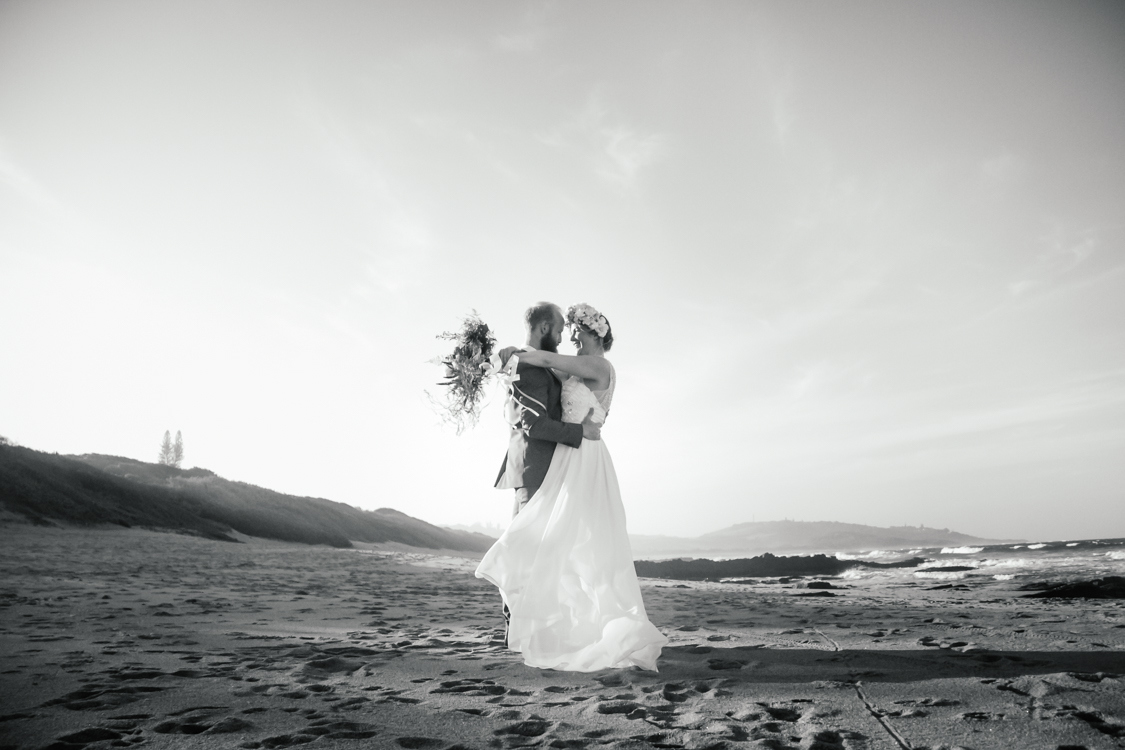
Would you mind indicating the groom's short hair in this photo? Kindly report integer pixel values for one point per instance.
(541, 312)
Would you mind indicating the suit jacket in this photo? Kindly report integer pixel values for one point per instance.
(535, 429)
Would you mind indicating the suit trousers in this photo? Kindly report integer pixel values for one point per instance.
(523, 494)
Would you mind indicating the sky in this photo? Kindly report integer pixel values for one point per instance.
(864, 261)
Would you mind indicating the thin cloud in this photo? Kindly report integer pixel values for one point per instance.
(397, 242)
(483, 146)
(856, 428)
(531, 33)
(776, 84)
(998, 173)
(628, 152)
(1093, 396)
(820, 377)
(618, 152)
(1065, 251)
(823, 304)
(527, 41)
(26, 186)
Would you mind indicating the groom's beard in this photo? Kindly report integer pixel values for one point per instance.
(547, 344)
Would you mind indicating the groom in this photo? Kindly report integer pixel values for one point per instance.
(534, 410)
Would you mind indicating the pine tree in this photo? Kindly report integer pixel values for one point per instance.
(166, 449)
(178, 450)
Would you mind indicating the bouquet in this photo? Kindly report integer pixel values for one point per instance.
(467, 370)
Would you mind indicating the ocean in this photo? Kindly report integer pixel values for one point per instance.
(1031, 563)
(1020, 563)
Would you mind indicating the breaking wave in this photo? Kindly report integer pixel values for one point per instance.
(871, 555)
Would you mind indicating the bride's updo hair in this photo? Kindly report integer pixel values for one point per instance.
(607, 339)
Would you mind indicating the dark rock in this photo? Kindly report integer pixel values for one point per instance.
(763, 566)
(1110, 587)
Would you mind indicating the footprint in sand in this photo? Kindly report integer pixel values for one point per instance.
(470, 686)
(630, 708)
(825, 740)
(281, 740)
(421, 743)
(782, 713)
(980, 716)
(97, 696)
(533, 727)
(334, 729)
(929, 702)
(674, 692)
(88, 736)
(349, 704)
(202, 720)
(331, 665)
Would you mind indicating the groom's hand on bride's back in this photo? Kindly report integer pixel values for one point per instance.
(590, 429)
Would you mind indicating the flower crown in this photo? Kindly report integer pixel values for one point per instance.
(586, 316)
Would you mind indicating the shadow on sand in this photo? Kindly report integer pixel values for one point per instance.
(770, 665)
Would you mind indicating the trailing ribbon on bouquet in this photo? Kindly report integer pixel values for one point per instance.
(505, 372)
(517, 400)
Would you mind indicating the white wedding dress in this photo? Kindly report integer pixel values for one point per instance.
(564, 566)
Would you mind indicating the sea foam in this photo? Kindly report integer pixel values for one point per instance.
(1010, 562)
(871, 555)
(961, 550)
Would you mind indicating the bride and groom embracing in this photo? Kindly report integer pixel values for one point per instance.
(564, 565)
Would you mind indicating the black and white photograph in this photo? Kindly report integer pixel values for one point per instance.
(562, 374)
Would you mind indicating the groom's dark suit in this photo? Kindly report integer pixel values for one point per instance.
(535, 413)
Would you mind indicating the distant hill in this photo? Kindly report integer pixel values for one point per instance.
(802, 536)
(491, 530)
(93, 490)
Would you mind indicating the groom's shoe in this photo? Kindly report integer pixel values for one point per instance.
(507, 623)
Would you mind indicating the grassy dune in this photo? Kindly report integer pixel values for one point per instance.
(93, 490)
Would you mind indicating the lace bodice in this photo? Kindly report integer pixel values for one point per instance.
(577, 399)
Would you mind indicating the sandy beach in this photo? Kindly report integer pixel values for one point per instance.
(124, 638)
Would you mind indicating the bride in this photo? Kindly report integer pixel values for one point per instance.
(564, 566)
